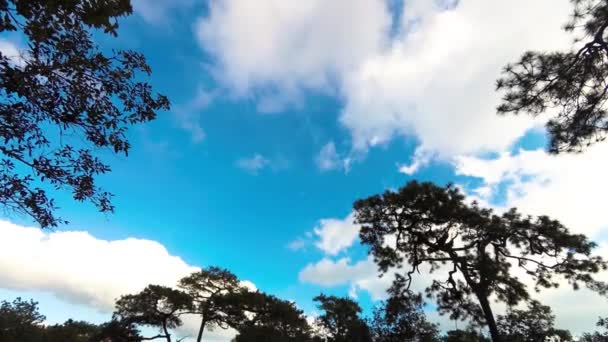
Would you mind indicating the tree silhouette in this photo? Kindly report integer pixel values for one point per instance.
(468, 335)
(117, 331)
(210, 292)
(272, 319)
(531, 325)
(340, 320)
(63, 100)
(400, 318)
(155, 306)
(20, 321)
(422, 223)
(572, 82)
(71, 331)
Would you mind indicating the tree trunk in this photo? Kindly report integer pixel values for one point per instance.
(487, 311)
(200, 330)
(167, 335)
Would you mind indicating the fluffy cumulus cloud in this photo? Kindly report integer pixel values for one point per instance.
(434, 79)
(81, 269)
(291, 45)
(360, 275)
(567, 187)
(335, 235)
(332, 237)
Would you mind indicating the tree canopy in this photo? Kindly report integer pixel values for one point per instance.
(424, 224)
(340, 320)
(271, 319)
(401, 318)
(63, 100)
(570, 85)
(536, 323)
(20, 320)
(155, 306)
(211, 291)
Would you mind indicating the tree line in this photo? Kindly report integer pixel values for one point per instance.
(215, 298)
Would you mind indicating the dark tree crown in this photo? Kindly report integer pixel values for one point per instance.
(62, 100)
(572, 83)
(340, 320)
(475, 249)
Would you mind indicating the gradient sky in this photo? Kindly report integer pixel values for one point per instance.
(283, 113)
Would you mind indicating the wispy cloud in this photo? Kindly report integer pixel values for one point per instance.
(188, 115)
(253, 164)
(420, 159)
(158, 11)
(258, 162)
(329, 159)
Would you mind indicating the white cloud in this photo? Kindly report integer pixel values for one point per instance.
(187, 116)
(434, 80)
(253, 164)
(289, 46)
(297, 244)
(257, 162)
(328, 159)
(567, 187)
(12, 52)
(80, 268)
(336, 235)
(158, 11)
(362, 275)
(420, 159)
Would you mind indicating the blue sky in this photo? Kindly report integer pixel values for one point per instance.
(283, 114)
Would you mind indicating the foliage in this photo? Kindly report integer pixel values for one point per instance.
(116, 331)
(531, 325)
(400, 318)
(468, 335)
(423, 224)
(63, 100)
(573, 82)
(20, 320)
(155, 306)
(71, 331)
(271, 319)
(211, 293)
(340, 320)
